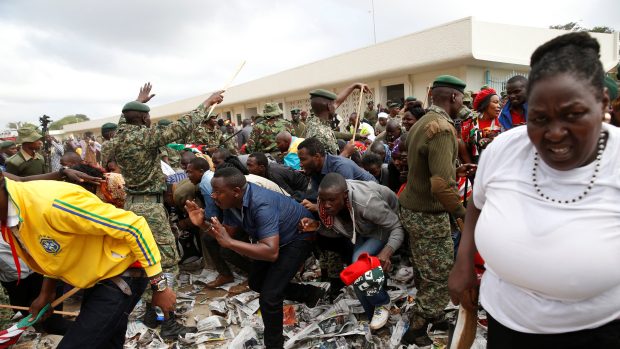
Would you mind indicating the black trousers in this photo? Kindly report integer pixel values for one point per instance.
(28, 290)
(102, 322)
(221, 256)
(272, 281)
(501, 337)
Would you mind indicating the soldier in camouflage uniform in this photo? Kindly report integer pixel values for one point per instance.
(170, 156)
(136, 149)
(426, 203)
(298, 125)
(108, 130)
(263, 136)
(324, 104)
(215, 139)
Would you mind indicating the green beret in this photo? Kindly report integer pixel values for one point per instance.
(108, 126)
(28, 134)
(394, 105)
(271, 109)
(449, 81)
(136, 106)
(164, 122)
(612, 87)
(6, 144)
(410, 99)
(323, 93)
(295, 111)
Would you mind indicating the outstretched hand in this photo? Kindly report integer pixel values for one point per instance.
(144, 96)
(196, 214)
(220, 233)
(75, 176)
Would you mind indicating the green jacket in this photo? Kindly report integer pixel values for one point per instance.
(22, 164)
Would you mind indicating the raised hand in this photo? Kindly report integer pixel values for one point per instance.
(196, 214)
(144, 96)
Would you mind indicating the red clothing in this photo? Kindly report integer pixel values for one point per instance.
(518, 118)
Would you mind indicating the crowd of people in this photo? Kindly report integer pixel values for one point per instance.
(529, 170)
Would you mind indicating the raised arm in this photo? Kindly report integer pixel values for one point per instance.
(342, 96)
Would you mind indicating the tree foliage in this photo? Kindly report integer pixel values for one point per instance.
(575, 27)
(18, 124)
(69, 119)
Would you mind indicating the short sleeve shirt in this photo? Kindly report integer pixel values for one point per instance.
(266, 213)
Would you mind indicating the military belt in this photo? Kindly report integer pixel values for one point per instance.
(144, 198)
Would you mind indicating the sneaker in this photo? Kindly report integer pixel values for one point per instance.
(171, 329)
(315, 296)
(403, 275)
(379, 317)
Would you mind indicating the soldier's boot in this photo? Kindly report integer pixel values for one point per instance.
(171, 329)
(150, 316)
(417, 334)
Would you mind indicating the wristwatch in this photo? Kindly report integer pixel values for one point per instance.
(158, 284)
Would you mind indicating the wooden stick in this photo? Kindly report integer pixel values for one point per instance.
(359, 110)
(227, 86)
(65, 296)
(428, 89)
(68, 313)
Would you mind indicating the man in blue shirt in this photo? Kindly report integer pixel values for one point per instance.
(278, 249)
(200, 174)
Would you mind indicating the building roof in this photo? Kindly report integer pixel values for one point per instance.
(465, 41)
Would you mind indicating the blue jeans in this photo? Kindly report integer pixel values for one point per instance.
(102, 322)
(372, 247)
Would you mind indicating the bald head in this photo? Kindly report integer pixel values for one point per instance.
(283, 141)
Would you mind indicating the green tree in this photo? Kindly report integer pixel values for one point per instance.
(69, 119)
(572, 26)
(575, 27)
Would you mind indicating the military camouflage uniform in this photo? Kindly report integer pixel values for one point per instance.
(263, 136)
(433, 251)
(174, 157)
(107, 153)
(321, 130)
(136, 150)
(215, 139)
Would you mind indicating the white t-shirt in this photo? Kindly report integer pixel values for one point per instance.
(551, 268)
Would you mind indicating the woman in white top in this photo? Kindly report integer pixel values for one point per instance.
(546, 212)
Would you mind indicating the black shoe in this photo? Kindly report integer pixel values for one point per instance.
(315, 296)
(150, 317)
(418, 337)
(171, 329)
(440, 323)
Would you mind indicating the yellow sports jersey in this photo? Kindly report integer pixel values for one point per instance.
(70, 234)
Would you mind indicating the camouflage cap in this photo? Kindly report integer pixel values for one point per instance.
(449, 81)
(323, 93)
(295, 111)
(6, 144)
(136, 106)
(467, 97)
(108, 126)
(164, 122)
(28, 134)
(271, 109)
